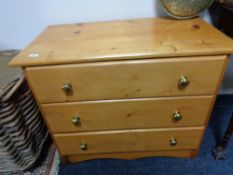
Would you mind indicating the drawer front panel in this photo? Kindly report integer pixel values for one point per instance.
(129, 140)
(126, 79)
(127, 114)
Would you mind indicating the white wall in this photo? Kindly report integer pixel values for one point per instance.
(21, 21)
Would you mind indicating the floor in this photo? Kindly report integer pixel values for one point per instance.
(7, 73)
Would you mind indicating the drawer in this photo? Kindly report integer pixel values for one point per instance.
(127, 114)
(126, 79)
(129, 140)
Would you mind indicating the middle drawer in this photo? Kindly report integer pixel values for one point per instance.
(127, 114)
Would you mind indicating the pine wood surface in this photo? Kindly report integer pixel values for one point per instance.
(129, 140)
(124, 40)
(126, 79)
(127, 114)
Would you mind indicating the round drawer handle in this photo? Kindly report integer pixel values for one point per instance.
(83, 146)
(173, 141)
(183, 81)
(177, 116)
(67, 88)
(76, 120)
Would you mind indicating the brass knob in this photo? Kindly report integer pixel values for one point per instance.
(177, 116)
(183, 81)
(76, 120)
(83, 146)
(173, 142)
(67, 87)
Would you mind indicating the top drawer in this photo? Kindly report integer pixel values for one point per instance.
(126, 79)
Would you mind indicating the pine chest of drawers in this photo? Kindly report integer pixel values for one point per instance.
(126, 89)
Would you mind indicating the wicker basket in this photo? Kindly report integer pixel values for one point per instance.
(22, 130)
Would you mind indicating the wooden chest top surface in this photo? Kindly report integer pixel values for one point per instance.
(124, 40)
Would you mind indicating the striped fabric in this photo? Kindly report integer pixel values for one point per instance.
(22, 131)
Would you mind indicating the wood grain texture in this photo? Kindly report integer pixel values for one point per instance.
(126, 79)
(127, 114)
(124, 40)
(134, 155)
(129, 140)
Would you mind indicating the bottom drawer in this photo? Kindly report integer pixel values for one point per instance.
(129, 140)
